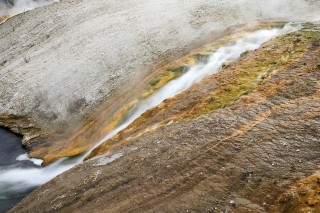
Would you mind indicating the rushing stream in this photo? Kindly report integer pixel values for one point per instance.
(17, 180)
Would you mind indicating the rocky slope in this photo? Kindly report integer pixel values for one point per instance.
(63, 67)
(234, 142)
(302, 197)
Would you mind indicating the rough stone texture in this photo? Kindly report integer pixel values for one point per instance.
(238, 158)
(60, 62)
(303, 197)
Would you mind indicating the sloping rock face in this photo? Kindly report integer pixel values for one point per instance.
(302, 197)
(63, 67)
(257, 134)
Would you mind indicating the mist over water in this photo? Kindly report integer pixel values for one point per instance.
(17, 180)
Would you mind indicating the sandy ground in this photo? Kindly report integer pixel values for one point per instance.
(59, 62)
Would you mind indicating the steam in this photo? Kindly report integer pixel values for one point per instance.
(14, 7)
(245, 9)
(293, 10)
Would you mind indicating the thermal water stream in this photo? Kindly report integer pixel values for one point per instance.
(15, 180)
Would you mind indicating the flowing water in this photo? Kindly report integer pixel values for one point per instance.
(10, 149)
(17, 180)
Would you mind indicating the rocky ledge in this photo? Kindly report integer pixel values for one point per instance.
(235, 142)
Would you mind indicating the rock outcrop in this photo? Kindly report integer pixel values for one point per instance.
(302, 197)
(235, 142)
(64, 66)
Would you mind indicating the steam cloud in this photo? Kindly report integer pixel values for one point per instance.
(14, 7)
(273, 8)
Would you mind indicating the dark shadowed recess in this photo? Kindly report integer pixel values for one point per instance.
(10, 149)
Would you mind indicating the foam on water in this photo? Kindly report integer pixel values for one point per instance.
(25, 157)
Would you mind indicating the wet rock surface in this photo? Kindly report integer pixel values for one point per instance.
(237, 157)
(225, 88)
(59, 63)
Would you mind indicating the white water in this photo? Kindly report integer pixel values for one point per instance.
(19, 179)
(25, 157)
